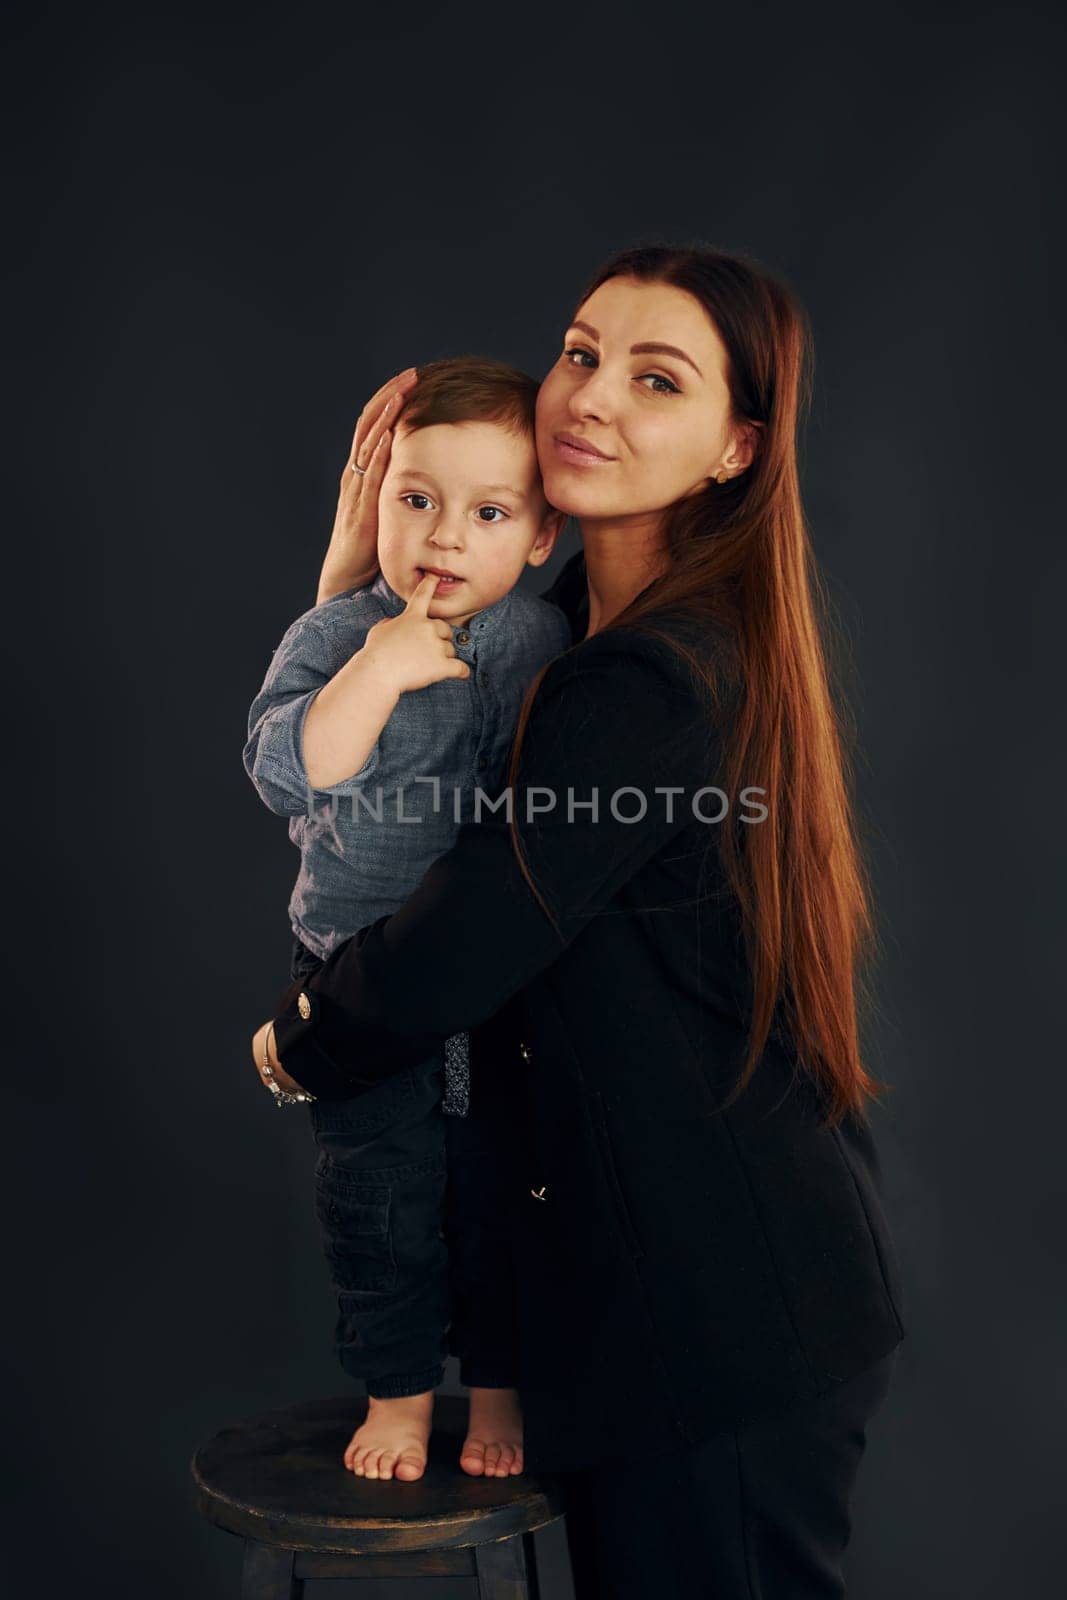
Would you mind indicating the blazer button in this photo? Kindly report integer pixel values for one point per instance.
(539, 1194)
(525, 1052)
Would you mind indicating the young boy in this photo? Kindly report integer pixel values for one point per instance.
(384, 709)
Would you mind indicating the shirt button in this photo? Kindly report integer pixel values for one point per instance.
(525, 1052)
(463, 637)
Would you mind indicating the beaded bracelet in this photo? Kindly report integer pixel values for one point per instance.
(282, 1097)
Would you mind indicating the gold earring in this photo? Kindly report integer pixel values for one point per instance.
(722, 475)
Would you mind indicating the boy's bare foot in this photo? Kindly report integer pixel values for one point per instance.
(493, 1446)
(393, 1440)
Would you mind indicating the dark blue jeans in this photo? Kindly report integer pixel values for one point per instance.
(409, 1208)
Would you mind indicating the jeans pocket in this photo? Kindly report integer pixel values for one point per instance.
(355, 1219)
(366, 1114)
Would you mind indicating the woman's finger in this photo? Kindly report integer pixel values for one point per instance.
(363, 510)
(396, 389)
(388, 415)
(378, 399)
(370, 480)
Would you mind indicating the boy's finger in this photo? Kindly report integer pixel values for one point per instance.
(422, 594)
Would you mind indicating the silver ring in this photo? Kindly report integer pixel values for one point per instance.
(361, 470)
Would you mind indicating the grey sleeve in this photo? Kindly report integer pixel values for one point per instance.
(305, 660)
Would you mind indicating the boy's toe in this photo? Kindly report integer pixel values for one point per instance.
(472, 1457)
(410, 1466)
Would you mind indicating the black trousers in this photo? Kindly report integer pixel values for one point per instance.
(409, 1207)
(760, 1512)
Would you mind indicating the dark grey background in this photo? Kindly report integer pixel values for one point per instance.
(228, 233)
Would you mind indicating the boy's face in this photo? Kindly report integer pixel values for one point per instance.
(464, 498)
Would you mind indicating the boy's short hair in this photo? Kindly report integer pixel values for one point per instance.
(471, 389)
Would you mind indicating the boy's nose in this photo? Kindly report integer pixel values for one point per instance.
(447, 536)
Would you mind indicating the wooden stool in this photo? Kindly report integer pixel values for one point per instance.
(279, 1482)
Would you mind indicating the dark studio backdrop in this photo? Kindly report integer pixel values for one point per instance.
(228, 232)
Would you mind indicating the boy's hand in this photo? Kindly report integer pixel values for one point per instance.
(414, 649)
(352, 557)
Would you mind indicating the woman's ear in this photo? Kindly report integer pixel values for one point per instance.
(739, 453)
(745, 446)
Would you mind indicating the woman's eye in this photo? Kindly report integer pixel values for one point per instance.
(576, 355)
(657, 377)
(491, 513)
(410, 500)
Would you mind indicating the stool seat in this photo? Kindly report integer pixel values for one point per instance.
(279, 1481)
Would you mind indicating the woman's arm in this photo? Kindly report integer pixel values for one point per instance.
(610, 716)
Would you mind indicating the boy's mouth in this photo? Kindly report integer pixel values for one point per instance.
(446, 580)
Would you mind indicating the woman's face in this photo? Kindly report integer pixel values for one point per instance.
(642, 381)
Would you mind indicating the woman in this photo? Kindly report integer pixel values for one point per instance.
(708, 1296)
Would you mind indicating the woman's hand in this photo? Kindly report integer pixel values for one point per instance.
(264, 1036)
(352, 557)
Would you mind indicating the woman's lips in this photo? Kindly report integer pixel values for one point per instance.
(576, 454)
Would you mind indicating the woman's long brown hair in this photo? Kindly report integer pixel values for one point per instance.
(740, 554)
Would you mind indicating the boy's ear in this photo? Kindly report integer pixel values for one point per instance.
(551, 527)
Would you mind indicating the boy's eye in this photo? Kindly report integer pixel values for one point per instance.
(491, 513)
(410, 499)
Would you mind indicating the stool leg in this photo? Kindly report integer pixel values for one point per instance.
(501, 1570)
(268, 1574)
(533, 1581)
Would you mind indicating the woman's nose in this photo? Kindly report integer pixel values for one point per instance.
(593, 397)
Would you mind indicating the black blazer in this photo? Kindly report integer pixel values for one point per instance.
(679, 1268)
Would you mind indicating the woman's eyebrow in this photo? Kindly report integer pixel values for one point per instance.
(665, 350)
(647, 348)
